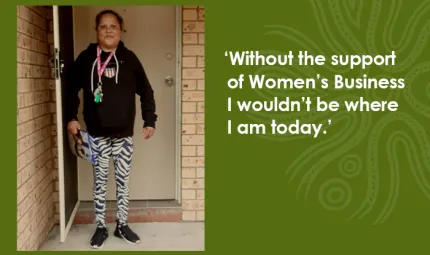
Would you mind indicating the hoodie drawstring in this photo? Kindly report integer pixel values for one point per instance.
(92, 76)
(117, 68)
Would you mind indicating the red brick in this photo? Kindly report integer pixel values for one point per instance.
(190, 14)
(189, 84)
(167, 215)
(201, 14)
(193, 26)
(193, 50)
(190, 38)
(201, 38)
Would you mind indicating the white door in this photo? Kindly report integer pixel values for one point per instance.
(150, 31)
(67, 161)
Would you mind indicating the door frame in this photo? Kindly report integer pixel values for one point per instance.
(178, 126)
(64, 226)
(178, 106)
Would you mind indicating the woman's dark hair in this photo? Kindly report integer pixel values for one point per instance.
(118, 17)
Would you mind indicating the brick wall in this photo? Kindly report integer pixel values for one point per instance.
(193, 113)
(35, 107)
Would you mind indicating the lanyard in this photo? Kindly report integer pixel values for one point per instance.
(98, 94)
(101, 68)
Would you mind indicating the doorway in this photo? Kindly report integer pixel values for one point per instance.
(153, 33)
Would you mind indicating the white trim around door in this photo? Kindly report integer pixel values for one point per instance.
(178, 128)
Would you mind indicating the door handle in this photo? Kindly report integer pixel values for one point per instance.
(169, 80)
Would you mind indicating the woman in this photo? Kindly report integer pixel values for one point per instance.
(110, 75)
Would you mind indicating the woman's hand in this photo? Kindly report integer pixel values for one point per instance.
(148, 132)
(73, 128)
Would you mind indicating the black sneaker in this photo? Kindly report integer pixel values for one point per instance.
(99, 238)
(124, 231)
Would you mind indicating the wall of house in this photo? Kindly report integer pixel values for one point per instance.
(35, 126)
(193, 84)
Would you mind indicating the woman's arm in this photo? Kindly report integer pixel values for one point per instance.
(72, 87)
(146, 93)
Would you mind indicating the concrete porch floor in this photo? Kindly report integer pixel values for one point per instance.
(154, 237)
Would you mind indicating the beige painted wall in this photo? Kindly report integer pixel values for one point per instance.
(37, 164)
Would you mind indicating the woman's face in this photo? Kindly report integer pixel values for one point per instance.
(109, 31)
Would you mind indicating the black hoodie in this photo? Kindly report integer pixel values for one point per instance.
(124, 77)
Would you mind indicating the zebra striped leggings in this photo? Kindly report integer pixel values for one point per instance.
(121, 150)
